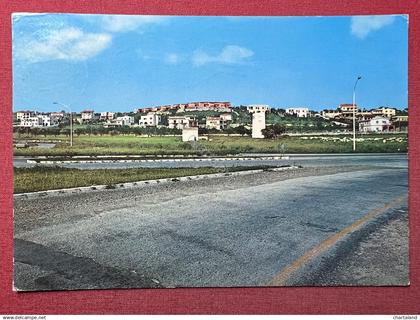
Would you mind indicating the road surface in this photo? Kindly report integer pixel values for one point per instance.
(306, 160)
(231, 231)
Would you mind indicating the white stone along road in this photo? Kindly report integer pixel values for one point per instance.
(230, 231)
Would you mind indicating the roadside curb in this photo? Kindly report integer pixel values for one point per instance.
(40, 194)
(157, 160)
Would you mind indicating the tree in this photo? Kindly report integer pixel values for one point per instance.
(273, 131)
(242, 130)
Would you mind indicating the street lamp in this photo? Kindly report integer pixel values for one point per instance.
(71, 120)
(354, 112)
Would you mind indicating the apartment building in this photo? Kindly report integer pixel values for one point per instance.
(189, 106)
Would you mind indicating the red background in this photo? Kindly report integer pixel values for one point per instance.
(338, 300)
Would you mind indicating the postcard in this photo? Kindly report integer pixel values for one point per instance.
(209, 151)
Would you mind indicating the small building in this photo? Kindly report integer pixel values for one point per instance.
(376, 124)
(189, 134)
(152, 119)
(298, 112)
(213, 123)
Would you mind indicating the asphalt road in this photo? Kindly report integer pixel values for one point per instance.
(232, 231)
(306, 160)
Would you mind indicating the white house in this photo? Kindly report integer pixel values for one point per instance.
(107, 116)
(152, 119)
(330, 114)
(387, 112)
(213, 123)
(376, 124)
(299, 112)
(179, 122)
(87, 115)
(125, 120)
(256, 108)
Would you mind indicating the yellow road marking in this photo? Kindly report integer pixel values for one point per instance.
(280, 278)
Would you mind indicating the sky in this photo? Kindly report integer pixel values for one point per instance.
(119, 62)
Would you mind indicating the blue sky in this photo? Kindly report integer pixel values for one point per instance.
(118, 63)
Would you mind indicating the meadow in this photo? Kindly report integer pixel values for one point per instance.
(42, 178)
(215, 145)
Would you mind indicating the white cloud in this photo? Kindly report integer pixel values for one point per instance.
(71, 44)
(125, 23)
(229, 55)
(172, 58)
(361, 26)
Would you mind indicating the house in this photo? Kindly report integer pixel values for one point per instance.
(87, 115)
(330, 114)
(56, 117)
(152, 119)
(213, 123)
(125, 121)
(190, 106)
(400, 118)
(387, 112)
(256, 108)
(225, 120)
(299, 112)
(376, 124)
(105, 116)
(180, 122)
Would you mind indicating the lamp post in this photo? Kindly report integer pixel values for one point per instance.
(71, 120)
(354, 112)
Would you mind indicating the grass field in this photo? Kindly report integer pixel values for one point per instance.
(49, 178)
(218, 145)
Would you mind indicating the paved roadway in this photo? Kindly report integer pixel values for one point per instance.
(309, 160)
(242, 231)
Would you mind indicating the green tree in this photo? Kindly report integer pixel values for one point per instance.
(274, 131)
